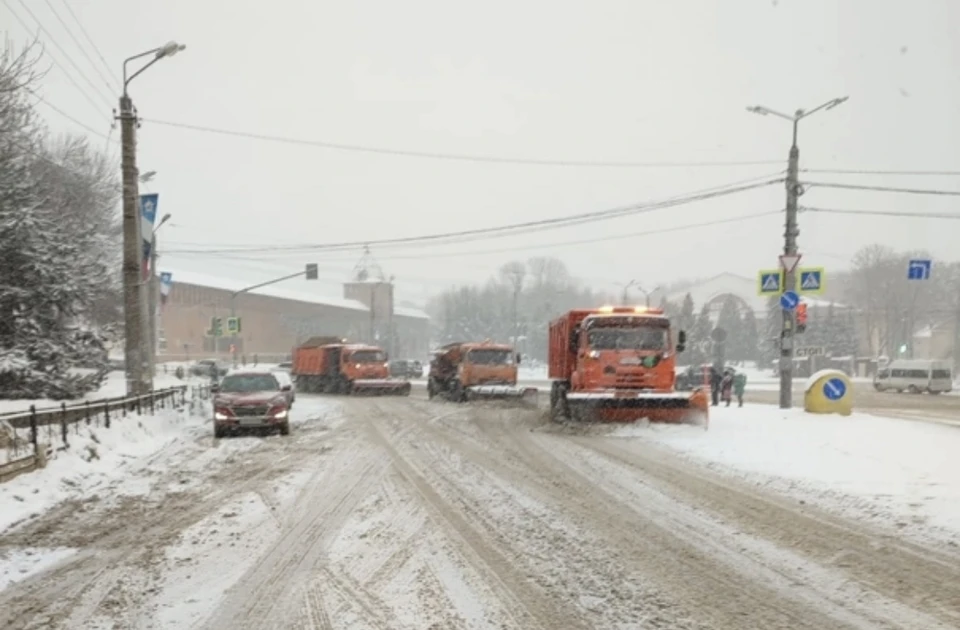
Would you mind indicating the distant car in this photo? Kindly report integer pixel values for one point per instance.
(209, 368)
(286, 365)
(406, 368)
(250, 400)
(284, 378)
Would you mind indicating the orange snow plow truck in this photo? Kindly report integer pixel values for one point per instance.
(477, 371)
(619, 364)
(329, 365)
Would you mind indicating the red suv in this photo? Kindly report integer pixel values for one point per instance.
(250, 400)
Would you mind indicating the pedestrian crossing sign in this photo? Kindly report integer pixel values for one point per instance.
(811, 280)
(770, 282)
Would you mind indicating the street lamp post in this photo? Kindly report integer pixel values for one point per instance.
(135, 353)
(153, 288)
(790, 242)
(632, 283)
(647, 294)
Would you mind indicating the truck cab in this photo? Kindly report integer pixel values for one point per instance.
(624, 351)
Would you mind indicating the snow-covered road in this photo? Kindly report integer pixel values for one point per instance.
(404, 513)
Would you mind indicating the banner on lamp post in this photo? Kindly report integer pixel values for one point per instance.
(166, 284)
(148, 216)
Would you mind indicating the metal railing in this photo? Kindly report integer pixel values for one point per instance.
(24, 433)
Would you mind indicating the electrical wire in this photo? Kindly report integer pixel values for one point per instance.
(507, 230)
(449, 156)
(503, 250)
(89, 39)
(59, 47)
(83, 50)
(846, 171)
(912, 191)
(55, 61)
(69, 117)
(885, 213)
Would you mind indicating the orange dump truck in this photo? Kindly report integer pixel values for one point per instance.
(618, 363)
(332, 366)
(477, 371)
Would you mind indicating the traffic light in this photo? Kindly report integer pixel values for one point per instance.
(216, 327)
(801, 317)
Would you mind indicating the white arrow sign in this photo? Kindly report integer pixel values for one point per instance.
(789, 261)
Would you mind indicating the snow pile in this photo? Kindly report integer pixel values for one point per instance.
(894, 473)
(96, 455)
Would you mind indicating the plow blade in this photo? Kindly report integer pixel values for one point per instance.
(377, 387)
(524, 395)
(616, 406)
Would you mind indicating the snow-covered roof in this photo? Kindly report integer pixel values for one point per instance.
(281, 290)
(730, 283)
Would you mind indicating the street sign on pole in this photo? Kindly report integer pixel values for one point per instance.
(789, 261)
(919, 269)
(811, 351)
(834, 389)
(789, 300)
(812, 280)
(770, 282)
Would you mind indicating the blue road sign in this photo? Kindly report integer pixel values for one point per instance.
(789, 300)
(919, 269)
(835, 389)
(811, 280)
(770, 282)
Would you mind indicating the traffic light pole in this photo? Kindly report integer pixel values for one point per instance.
(310, 272)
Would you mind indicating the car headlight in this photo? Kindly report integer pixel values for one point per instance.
(220, 416)
(280, 415)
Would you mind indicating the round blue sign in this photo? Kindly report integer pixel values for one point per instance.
(835, 389)
(789, 300)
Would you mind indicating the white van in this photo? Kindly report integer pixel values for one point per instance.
(915, 376)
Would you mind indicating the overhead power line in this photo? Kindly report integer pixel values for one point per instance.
(71, 118)
(516, 228)
(911, 191)
(55, 61)
(83, 50)
(93, 45)
(886, 213)
(519, 248)
(852, 171)
(434, 155)
(63, 52)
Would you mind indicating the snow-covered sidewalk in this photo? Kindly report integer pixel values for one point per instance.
(896, 474)
(96, 456)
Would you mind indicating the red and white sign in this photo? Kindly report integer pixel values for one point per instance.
(789, 261)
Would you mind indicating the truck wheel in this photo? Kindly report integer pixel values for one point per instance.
(559, 409)
(285, 428)
(218, 432)
(457, 392)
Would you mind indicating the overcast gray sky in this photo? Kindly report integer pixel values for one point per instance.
(612, 80)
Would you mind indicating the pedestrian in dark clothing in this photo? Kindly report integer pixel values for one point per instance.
(726, 387)
(715, 380)
(739, 386)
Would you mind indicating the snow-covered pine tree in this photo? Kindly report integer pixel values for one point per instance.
(40, 298)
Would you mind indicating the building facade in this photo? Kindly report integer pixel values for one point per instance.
(274, 321)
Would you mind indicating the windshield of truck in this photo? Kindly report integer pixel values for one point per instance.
(487, 356)
(368, 356)
(627, 338)
(246, 383)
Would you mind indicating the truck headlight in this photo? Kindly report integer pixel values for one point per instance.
(219, 415)
(280, 415)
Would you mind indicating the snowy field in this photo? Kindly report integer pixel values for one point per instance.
(899, 475)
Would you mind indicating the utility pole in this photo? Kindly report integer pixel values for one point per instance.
(132, 249)
(790, 234)
(135, 353)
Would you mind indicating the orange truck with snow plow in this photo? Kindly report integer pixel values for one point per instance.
(477, 371)
(330, 365)
(619, 364)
